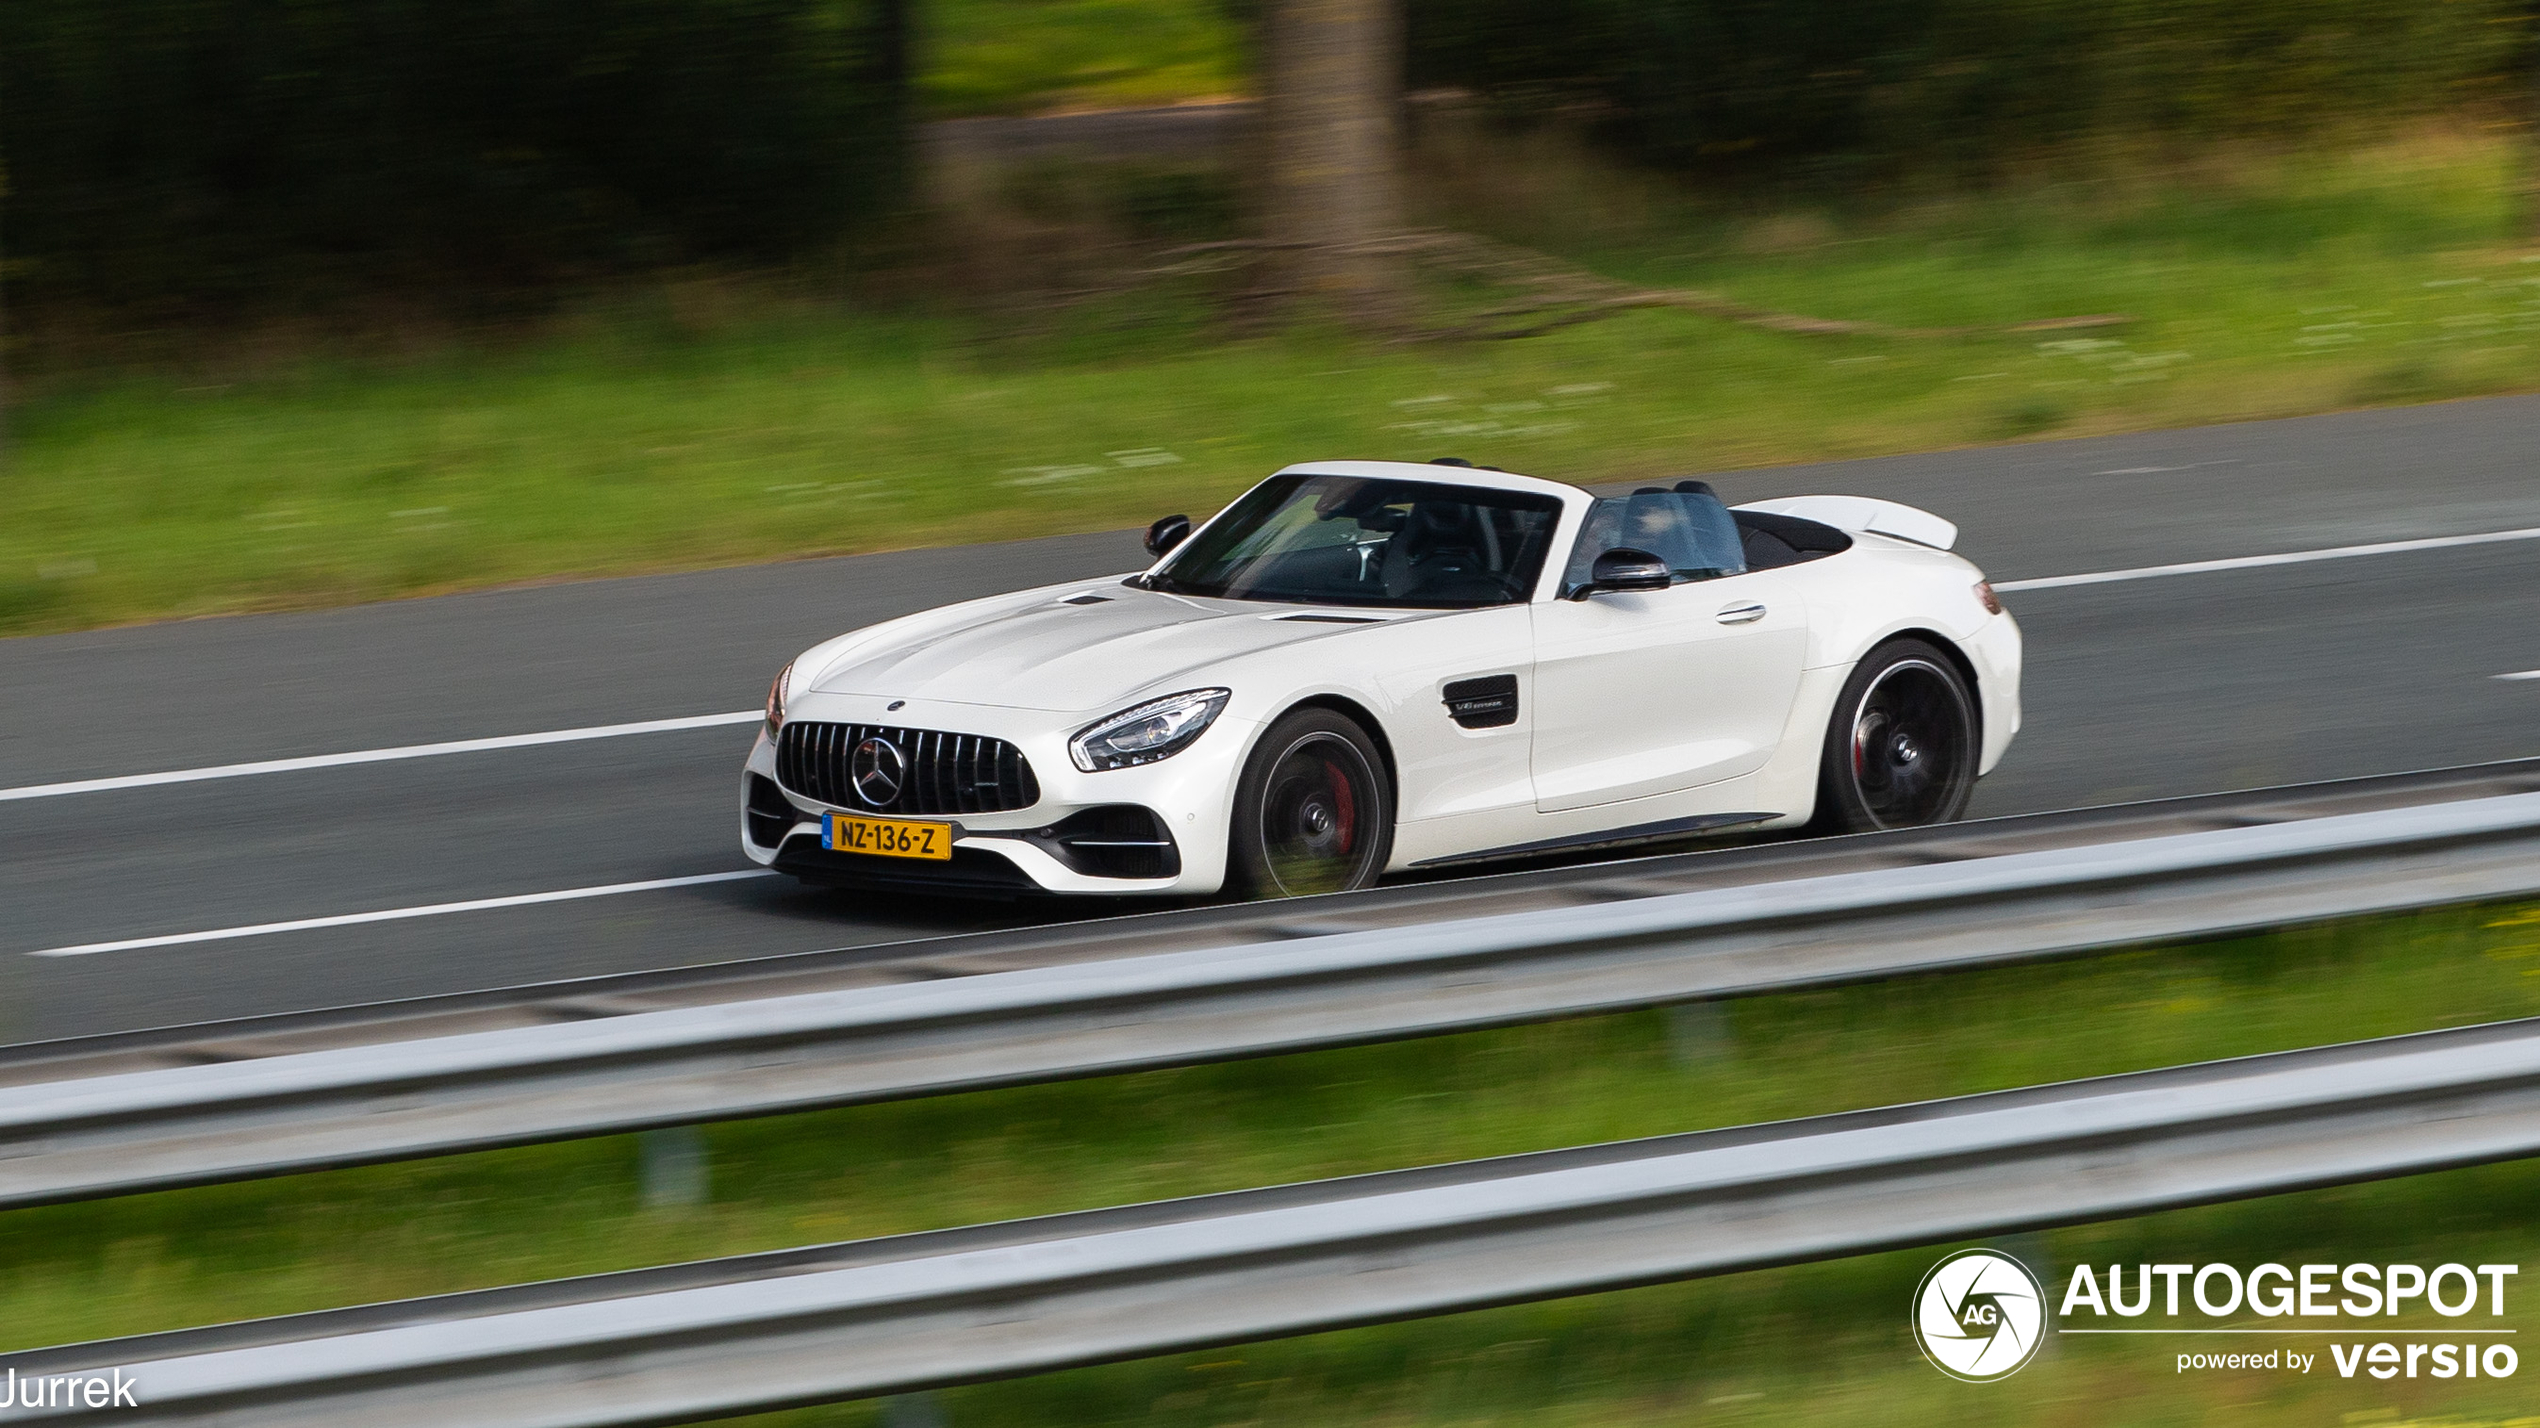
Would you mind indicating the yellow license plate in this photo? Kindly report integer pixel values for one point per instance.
(886, 837)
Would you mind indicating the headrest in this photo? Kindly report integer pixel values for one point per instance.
(1439, 518)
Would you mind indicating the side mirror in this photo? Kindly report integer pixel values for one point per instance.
(1624, 568)
(1167, 533)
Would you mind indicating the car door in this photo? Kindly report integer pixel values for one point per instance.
(1641, 693)
(1459, 697)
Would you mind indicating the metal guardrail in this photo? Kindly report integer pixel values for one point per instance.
(1401, 904)
(710, 1339)
(116, 1133)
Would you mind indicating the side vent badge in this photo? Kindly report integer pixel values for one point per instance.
(1486, 703)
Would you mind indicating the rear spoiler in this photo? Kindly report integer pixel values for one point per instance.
(1865, 513)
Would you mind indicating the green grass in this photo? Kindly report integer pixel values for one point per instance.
(1025, 56)
(1819, 1343)
(712, 423)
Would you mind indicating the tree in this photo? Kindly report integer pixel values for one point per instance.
(1332, 107)
(2531, 127)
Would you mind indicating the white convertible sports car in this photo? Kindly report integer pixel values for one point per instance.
(1370, 666)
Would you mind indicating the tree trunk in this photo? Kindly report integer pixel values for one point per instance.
(1332, 122)
(2531, 136)
(892, 40)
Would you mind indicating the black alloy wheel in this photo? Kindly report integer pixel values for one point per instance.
(1313, 813)
(1901, 750)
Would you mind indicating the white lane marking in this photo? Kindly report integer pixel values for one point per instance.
(375, 756)
(2252, 562)
(222, 934)
(2159, 470)
(745, 716)
(2521, 674)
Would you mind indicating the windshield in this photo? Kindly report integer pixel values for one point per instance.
(1347, 540)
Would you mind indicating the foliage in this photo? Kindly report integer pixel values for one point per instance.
(1026, 56)
(1840, 88)
(706, 423)
(208, 150)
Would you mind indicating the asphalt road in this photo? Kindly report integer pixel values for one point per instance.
(2136, 689)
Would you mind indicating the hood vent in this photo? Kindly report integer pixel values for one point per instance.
(1329, 619)
(1086, 599)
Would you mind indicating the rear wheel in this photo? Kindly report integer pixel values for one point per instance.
(1901, 749)
(1313, 813)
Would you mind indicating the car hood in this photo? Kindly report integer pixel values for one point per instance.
(1037, 651)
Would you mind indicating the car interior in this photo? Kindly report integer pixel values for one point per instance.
(1696, 535)
(1344, 540)
(1336, 540)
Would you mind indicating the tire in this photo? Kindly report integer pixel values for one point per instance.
(1901, 750)
(1313, 813)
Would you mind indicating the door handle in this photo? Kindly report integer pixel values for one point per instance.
(1745, 614)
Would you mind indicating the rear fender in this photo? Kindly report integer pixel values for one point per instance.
(1865, 513)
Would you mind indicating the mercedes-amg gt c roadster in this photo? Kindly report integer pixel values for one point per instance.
(1372, 666)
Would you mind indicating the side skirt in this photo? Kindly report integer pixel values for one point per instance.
(1608, 838)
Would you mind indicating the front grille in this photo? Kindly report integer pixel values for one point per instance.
(944, 773)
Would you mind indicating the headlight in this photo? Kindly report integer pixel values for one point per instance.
(1157, 729)
(776, 698)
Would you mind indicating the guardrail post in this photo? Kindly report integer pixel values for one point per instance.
(1698, 1034)
(2029, 1247)
(913, 1410)
(673, 1169)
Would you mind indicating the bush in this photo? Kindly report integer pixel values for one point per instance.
(208, 150)
(1843, 86)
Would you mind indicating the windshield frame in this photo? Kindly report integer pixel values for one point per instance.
(1538, 569)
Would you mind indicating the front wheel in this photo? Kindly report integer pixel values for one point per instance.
(1313, 813)
(1901, 749)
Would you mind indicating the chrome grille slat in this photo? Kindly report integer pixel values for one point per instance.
(819, 763)
(947, 773)
(834, 767)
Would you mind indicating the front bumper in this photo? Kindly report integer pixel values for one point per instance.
(1080, 837)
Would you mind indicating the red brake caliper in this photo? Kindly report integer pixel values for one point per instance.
(1347, 802)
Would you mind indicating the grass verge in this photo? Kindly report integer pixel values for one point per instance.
(711, 424)
(1001, 57)
(1817, 1342)
(1821, 1344)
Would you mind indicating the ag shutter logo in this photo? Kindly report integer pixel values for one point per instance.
(1979, 1315)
